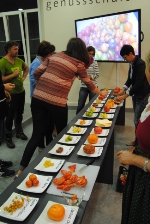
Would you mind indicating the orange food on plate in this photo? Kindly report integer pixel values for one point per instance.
(92, 138)
(56, 212)
(35, 182)
(59, 180)
(82, 122)
(81, 181)
(29, 183)
(89, 149)
(95, 104)
(72, 167)
(32, 177)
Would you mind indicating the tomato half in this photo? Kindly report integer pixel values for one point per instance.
(72, 167)
(59, 180)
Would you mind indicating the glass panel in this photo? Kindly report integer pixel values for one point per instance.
(2, 38)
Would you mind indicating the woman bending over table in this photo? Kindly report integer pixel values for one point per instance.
(54, 78)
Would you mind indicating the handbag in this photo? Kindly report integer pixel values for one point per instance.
(121, 179)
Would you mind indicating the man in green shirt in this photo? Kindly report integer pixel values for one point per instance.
(14, 70)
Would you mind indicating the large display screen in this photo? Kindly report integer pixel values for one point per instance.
(108, 33)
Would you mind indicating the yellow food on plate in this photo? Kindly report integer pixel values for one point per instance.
(93, 109)
(98, 101)
(103, 122)
(76, 129)
(56, 212)
(48, 163)
(103, 115)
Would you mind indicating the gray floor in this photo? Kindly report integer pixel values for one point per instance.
(104, 206)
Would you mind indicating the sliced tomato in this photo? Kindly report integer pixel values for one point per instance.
(65, 187)
(59, 180)
(81, 181)
(72, 167)
(67, 182)
(73, 178)
(66, 174)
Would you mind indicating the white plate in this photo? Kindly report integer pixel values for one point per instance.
(87, 122)
(83, 130)
(21, 213)
(57, 165)
(98, 152)
(67, 149)
(101, 103)
(111, 111)
(104, 132)
(101, 142)
(93, 115)
(98, 105)
(74, 141)
(44, 181)
(70, 214)
(97, 110)
(109, 116)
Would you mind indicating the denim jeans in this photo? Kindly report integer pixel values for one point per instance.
(83, 94)
(138, 107)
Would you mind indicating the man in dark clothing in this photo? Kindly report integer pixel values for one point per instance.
(136, 81)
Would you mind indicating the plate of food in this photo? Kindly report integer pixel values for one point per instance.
(90, 114)
(100, 131)
(81, 122)
(105, 115)
(93, 109)
(110, 111)
(50, 165)
(18, 207)
(69, 139)
(76, 130)
(61, 150)
(103, 123)
(99, 142)
(35, 183)
(90, 150)
(57, 213)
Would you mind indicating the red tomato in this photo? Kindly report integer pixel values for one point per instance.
(81, 181)
(100, 97)
(106, 108)
(59, 180)
(29, 183)
(72, 167)
(117, 90)
(65, 187)
(35, 182)
(97, 130)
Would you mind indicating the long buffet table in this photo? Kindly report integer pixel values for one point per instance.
(105, 162)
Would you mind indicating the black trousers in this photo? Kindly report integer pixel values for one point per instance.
(44, 116)
(15, 113)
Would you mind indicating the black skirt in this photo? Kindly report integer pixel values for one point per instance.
(136, 195)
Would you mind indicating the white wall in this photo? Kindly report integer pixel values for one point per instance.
(58, 26)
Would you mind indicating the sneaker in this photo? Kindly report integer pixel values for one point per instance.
(6, 173)
(10, 143)
(21, 135)
(5, 164)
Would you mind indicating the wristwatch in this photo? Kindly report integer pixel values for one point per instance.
(145, 165)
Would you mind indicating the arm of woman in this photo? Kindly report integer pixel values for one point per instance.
(127, 158)
(41, 69)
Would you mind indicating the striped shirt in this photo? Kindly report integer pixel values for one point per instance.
(55, 77)
(93, 72)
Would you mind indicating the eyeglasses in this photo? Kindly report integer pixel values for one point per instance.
(124, 57)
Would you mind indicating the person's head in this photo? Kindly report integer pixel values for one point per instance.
(12, 48)
(76, 48)
(91, 51)
(45, 49)
(127, 52)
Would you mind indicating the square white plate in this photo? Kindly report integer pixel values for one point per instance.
(109, 116)
(101, 103)
(74, 141)
(70, 214)
(44, 181)
(57, 165)
(87, 122)
(111, 111)
(21, 213)
(104, 132)
(93, 115)
(98, 152)
(70, 131)
(97, 110)
(67, 149)
(101, 142)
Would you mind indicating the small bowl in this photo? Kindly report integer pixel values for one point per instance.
(75, 196)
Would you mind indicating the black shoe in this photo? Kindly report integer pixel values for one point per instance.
(6, 173)
(10, 143)
(5, 164)
(21, 135)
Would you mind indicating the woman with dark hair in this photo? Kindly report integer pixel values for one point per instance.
(93, 73)
(54, 78)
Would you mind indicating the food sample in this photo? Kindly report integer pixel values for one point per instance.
(103, 115)
(93, 109)
(76, 129)
(89, 149)
(56, 212)
(98, 130)
(101, 97)
(89, 113)
(92, 138)
(32, 181)
(110, 103)
(59, 150)
(106, 108)
(117, 102)
(94, 104)
(82, 122)
(17, 202)
(103, 123)
(98, 101)
(68, 139)
(48, 163)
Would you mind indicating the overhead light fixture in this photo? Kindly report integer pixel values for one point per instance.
(20, 9)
